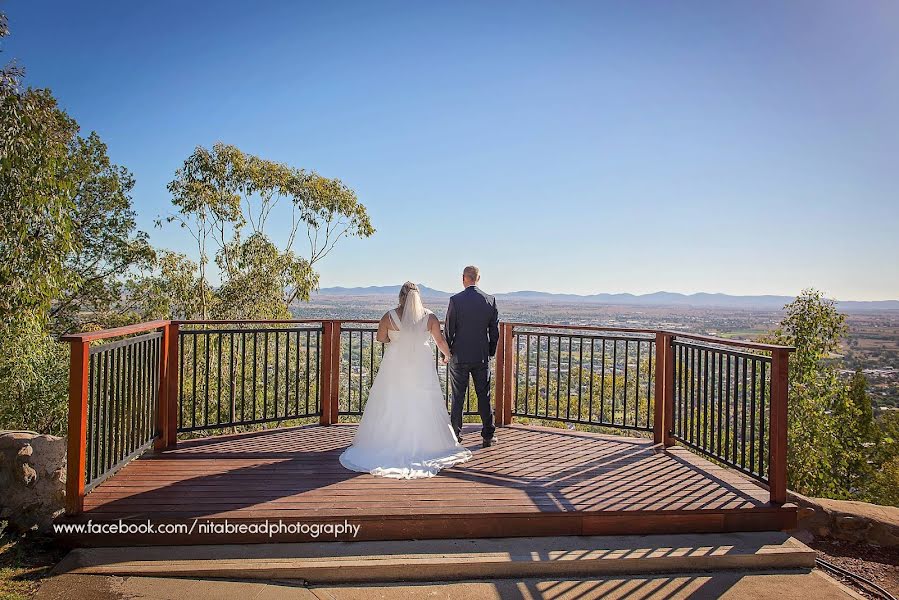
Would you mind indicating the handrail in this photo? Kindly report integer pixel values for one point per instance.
(93, 336)
(583, 327)
(247, 321)
(730, 342)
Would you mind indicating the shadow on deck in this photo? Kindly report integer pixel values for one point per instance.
(536, 482)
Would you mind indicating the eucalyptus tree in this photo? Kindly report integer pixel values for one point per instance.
(226, 200)
(815, 328)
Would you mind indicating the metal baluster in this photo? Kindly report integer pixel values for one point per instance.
(580, 377)
(91, 417)
(762, 462)
(208, 339)
(568, 387)
(243, 376)
(318, 353)
(537, 382)
(743, 430)
(232, 412)
(752, 417)
(308, 336)
(527, 378)
(614, 376)
(113, 417)
(695, 376)
(729, 450)
(287, 413)
(558, 375)
(277, 378)
(602, 385)
(360, 370)
(590, 381)
(296, 375)
(129, 419)
(624, 391)
(265, 375)
(549, 353)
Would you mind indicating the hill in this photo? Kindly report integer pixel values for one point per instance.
(699, 300)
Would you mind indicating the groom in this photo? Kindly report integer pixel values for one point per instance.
(472, 332)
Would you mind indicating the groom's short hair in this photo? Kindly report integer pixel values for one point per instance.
(471, 273)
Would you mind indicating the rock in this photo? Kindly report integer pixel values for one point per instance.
(847, 520)
(32, 479)
(807, 513)
(851, 523)
(29, 475)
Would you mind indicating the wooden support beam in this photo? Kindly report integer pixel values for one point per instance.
(162, 393)
(324, 374)
(79, 366)
(509, 368)
(668, 395)
(172, 400)
(658, 426)
(499, 368)
(777, 432)
(335, 372)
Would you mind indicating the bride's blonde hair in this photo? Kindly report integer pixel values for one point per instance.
(404, 291)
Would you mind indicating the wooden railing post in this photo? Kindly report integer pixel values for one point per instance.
(79, 374)
(324, 375)
(509, 374)
(668, 396)
(777, 432)
(170, 346)
(663, 410)
(162, 394)
(499, 411)
(658, 426)
(335, 373)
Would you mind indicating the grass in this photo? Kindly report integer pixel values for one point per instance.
(25, 560)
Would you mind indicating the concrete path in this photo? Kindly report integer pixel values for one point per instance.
(796, 585)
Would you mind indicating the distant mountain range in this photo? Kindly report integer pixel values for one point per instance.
(700, 300)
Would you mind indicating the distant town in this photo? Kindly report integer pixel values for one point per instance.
(872, 345)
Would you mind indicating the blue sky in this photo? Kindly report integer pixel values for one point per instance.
(564, 146)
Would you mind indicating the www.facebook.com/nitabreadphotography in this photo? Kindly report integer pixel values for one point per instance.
(266, 527)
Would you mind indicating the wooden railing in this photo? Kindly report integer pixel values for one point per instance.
(142, 385)
(117, 398)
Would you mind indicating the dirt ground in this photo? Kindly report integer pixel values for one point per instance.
(880, 565)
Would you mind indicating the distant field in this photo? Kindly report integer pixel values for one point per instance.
(873, 340)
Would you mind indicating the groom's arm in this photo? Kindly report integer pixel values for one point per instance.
(493, 330)
(449, 324)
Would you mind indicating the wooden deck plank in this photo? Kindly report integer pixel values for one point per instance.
(535, 481)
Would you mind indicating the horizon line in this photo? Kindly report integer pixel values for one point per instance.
(587, 295)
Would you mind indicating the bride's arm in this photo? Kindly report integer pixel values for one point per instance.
(382, 335)
(434, 328)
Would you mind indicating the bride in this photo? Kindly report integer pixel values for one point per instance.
(405, 431)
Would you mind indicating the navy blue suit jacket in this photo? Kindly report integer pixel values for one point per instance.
(472, 326)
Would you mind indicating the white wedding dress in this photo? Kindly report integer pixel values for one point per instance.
(405, 431)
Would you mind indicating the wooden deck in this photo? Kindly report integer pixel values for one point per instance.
(536, 481)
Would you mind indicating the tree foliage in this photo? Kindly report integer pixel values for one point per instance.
(68, 242)
(36, 199)
(837, 449)
(225, 199)
(108, 248)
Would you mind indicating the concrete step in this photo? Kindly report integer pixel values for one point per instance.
(449, 560)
